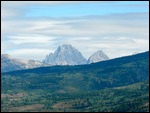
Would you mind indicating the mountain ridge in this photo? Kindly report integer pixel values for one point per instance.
(11, 64)
(97, 64)
(64, 55)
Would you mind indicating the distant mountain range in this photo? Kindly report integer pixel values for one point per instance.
(64, 55)
(10, 64)
(68, 55)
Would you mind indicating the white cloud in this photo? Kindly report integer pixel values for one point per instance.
(20, 39)
(33, 38)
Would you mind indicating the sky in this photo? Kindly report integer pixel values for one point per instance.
(33, 29)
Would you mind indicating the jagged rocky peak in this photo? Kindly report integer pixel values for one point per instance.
(66, 45)
(65, 54)
(97, 57)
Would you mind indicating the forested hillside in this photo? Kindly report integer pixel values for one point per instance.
(116, 85)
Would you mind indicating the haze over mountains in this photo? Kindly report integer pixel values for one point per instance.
(64, 55)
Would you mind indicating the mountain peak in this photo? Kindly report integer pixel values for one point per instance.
(99, 51)
(66, 45)
(65, 55)
(97, 57)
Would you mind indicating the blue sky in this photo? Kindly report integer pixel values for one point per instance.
(31, 30)
(87, 9)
